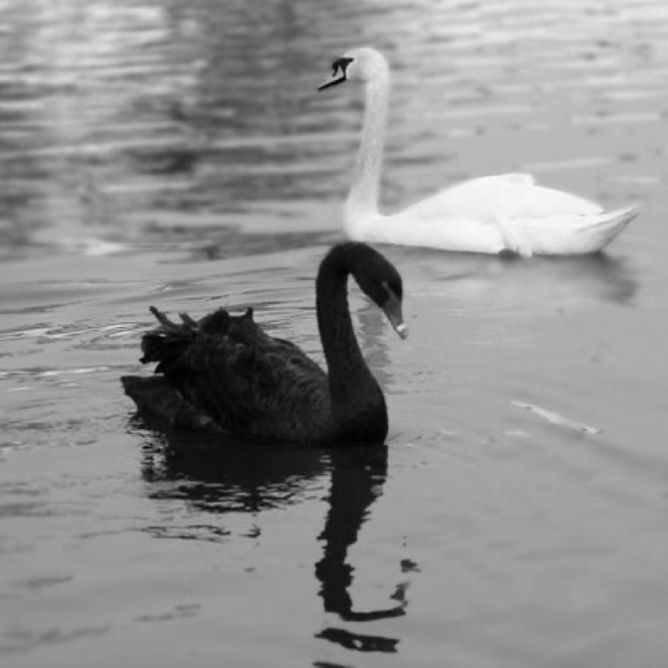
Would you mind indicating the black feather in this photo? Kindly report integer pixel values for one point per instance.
(225, 372)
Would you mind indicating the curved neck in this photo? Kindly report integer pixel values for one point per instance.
(357, 401)
(362, 202)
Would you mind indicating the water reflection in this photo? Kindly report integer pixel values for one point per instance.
(609, 278)
(511, 282)
(215, 478)
(357, 477)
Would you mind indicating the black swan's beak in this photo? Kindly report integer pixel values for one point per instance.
(392, 308)
(401, 330)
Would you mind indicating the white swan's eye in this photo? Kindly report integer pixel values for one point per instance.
(341, 64)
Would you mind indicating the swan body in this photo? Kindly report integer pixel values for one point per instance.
(508, 212)
(223, 374)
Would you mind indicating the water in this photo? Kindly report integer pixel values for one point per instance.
(177, 154)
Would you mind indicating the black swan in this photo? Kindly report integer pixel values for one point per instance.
(223, 374)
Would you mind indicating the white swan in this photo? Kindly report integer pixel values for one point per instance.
(484, 215)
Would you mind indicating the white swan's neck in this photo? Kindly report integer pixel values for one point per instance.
(362, 202)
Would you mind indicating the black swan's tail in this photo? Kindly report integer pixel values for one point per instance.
(165, 344)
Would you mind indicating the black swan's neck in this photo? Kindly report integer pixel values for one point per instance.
(357, 400)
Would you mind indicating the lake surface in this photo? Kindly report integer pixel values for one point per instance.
(177, 154)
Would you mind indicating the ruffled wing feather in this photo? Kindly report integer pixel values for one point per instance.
(248, 382)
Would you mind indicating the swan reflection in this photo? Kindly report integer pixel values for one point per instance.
(216, 478)
(507, 283)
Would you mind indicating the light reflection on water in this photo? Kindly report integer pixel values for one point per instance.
(177, 154)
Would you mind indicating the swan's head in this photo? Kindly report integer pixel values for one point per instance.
(375, 275)
(363, 64)
(382, 282)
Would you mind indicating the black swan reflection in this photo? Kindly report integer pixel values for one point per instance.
(224, 374)
(217, 479)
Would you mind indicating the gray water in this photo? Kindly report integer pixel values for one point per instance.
(177, 154)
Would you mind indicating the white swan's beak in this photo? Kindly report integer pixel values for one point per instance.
(339, 72)
(332, 81)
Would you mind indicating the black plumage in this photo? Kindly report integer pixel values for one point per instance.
(224, 374)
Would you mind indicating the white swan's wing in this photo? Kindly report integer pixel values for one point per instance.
(506, 196)
(505, 212)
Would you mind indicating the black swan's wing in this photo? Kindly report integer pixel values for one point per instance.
(249, 383)
(165, 407)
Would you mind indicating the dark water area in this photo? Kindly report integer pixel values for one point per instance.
(177, 154)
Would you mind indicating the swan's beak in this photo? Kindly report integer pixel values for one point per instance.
(339, 72)
(392, 308)
(401, 330)
(332, 81)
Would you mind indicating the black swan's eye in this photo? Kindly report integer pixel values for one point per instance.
(392, 291)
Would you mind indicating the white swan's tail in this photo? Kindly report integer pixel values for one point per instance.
(570, 234)
(603, 228)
